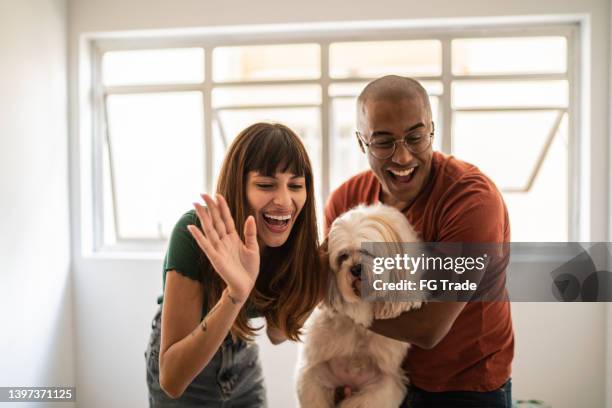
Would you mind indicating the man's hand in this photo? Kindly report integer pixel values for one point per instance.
(424, 327)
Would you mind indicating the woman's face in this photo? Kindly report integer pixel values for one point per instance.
(275, 202)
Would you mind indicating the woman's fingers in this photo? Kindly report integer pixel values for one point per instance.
(228, 220)
(216, 258)
(250, 234)
(215, 215)
(203, 243)
(211, 252)
(207, 227)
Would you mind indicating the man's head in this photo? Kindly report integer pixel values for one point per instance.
(390, 110)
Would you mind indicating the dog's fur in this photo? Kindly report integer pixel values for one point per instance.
(337, 335)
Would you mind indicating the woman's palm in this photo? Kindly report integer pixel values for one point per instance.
(237, 262)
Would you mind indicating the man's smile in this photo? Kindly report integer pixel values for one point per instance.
(402, 176)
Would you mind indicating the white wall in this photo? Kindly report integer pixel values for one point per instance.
(36, 346)
(560, 348)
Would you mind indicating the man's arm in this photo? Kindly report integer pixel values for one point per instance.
(424, 327)
(462, 221)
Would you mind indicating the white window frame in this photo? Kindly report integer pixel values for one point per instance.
(212, 38)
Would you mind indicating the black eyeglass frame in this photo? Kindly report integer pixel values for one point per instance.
(363, 143)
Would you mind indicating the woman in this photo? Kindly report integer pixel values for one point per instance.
(217, 276)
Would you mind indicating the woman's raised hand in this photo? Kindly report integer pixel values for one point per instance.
(235, 261)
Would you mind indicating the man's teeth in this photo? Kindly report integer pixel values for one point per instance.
(279, 217)
(402, 173)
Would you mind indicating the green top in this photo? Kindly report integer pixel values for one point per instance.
(183, 256)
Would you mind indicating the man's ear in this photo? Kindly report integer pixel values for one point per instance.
(360, 142)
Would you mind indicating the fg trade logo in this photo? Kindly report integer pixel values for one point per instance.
(586, 277)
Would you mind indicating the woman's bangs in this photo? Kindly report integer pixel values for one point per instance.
(274, 152)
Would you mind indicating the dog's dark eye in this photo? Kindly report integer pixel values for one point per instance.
(342, 257)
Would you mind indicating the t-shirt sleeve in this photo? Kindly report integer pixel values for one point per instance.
(183, 252)
(475, 214)
(478, 215)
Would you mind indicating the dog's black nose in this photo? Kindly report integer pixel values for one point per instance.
(356, 270)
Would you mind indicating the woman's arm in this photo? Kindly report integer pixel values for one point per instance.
(188, 345)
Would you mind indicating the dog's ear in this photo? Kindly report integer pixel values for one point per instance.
(326, 271)
(324, 259)
(331, 292)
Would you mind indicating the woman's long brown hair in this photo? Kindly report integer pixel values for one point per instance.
(290, 282)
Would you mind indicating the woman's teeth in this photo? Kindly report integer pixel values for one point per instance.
(277, 219)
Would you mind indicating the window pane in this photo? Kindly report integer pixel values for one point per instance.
(524, 55)
(377, 58)
(346, 157)
(506, 147)
(181, 65)
(436, 115)
(266, 95)
(468, 94)
(542, 214)
(156, 145)
(266, 62)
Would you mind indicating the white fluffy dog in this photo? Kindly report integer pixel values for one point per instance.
(339, 349)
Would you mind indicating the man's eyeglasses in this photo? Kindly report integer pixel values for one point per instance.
(384, 147)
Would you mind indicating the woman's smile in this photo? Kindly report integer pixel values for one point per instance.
(277, 222)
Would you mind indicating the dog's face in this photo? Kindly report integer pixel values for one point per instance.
(346, 265)
(376, 223)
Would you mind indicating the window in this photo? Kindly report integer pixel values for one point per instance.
(501, 99)
(510, 100)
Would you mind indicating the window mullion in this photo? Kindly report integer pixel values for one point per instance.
(100, 128)
(159, 88)
(575, 146)
(510, 77)
(208, 122)
(325, 120)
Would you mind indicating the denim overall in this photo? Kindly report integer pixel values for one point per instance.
(232, 379)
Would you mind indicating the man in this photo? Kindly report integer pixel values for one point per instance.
(462, 352)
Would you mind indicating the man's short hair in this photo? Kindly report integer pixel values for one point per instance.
(393, 88)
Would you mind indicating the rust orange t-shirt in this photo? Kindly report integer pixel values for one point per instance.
(457, 204)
